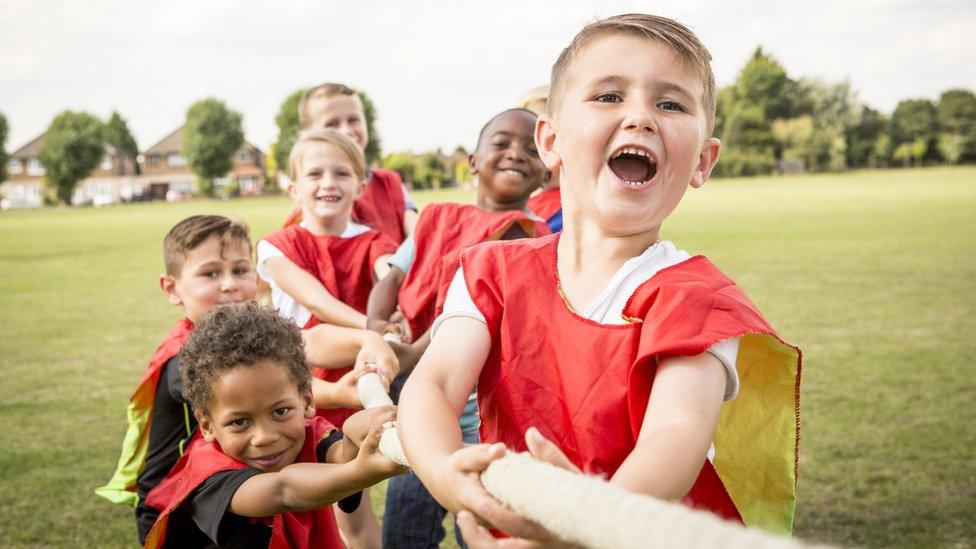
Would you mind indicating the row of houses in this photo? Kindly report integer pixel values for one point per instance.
(163, 174)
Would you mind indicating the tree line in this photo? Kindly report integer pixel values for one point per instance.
(768, 122)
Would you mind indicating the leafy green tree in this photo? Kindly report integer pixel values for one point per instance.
(211, 136)
(751, 144)
(374, 147)
(73, 147)
(952, 146)
(4, 129)
(862, 136)
(794, 136)
(402, 163)
(117, 133)
(915, 119)
(287, 121)
(430, 171)
(956, 113)
(882, 151)
(764, 83)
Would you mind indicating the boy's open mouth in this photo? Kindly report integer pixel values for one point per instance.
(330, 198)
(633, 166)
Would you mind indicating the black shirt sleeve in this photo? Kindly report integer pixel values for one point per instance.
(347, 504)
(210, 508)
(173, 381)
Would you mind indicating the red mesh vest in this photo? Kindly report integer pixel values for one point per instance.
(442, 231)
(344, 266)
(585, 385)
(298, 529)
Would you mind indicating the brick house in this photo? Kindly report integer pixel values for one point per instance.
(114, 180)
(165, 172)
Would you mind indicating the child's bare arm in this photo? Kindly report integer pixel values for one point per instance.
(679, 425)
(430, 405)
(410, 218)
(381, 267)
(311, 294)
(305, 486)
(383, 299)
(328, 346)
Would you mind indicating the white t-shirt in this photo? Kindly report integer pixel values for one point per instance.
(284, 303)
(608, 307)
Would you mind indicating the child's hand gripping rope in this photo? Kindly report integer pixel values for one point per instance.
(587, 510)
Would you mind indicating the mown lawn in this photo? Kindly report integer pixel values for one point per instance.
(873, 274)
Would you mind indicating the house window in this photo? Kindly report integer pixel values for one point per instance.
(176, 161)
(34, 167)
(14, 166)
(106, 163)
(152, 160)
(244, 155)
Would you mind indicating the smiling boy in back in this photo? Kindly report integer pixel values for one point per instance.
(605, 341)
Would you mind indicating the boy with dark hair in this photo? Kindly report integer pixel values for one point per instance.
(508, 169)
(208, 263)
(603, 340)
(267, 469)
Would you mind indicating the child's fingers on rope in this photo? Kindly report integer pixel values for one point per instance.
(545, 450)
(477, 536)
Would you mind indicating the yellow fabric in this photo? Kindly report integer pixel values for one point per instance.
(756, 443)
(122, 486)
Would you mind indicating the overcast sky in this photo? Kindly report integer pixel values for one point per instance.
(435, 70)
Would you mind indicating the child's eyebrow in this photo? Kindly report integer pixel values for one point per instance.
(612, 79)
(669, 86)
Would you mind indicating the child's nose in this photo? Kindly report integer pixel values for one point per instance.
(228, 283)
(640, 119)
(264, 435)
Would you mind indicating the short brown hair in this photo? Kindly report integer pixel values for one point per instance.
(329, 137)
(236, 336)
(193, 231)
(329, 89)
(658, 29)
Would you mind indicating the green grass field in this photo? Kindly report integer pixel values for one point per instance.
(873, 274)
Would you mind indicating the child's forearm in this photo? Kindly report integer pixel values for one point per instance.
(428, 429)
(300, 487)
(328, 346)
(383, 298)
(660, 466)
(311, 294)
(679, 424)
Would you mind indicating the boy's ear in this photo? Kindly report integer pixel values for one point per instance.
(292, 189)
(473, 161)
(545, 142)
(309, 403)
(706, 161)
(167, 283)
(206, 427)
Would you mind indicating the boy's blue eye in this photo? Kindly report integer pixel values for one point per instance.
(671, 106)
(242, 270)
(608, 97)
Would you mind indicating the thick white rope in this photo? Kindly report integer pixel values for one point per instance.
(587, 510)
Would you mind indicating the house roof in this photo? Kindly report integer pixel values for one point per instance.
(30, 149)
(173, 143)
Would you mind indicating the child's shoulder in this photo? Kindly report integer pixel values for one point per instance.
(510, 253)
